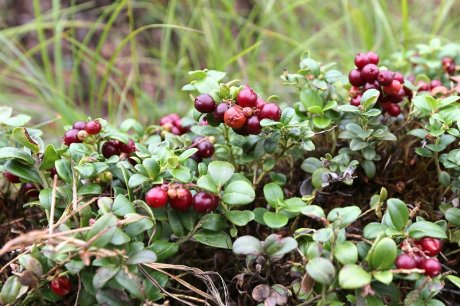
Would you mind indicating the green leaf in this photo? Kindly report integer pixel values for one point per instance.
(182, 174)
(383, 254)
(131, 282)
(138, 226)
(5, 113)
(321, 270)
(22, 171)
(310, 164)
(247, 245)
(313, 211)
(294, 205)
(45, 198)
(105, 225)
(240, 217)
(164, 249)
(10, 153)
(310, 97)
(369, 98)
(373, 229)
(220, 172)
(63, 169)
(422, 229)
(385, 277)
(275, 220)
(346, 252)
(103, 275)
(344, 216)
(10, 290)
(321, 122)
(74, 266)
(152, 167)
(454, 279)
(49, 157)
(122, 206)
(18, 120)
(23, 137)
(273, 194)
(136, 180)
(143, 256)
(213, 222)
(214, 239)
(239, 193)
(398, 212)
(317, 177)
(353, 277)
(206, 182)
(453, 216)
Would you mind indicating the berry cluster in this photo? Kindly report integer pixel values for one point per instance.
(448, 65)
(424, 86)
(205, 148)
(421, 254)
(172, 123)
(181, 198)
(243, 115)
(367, 75)
(80, 131)
(61, 286)
(116, 147)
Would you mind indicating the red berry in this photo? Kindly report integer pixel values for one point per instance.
(61, 286)
(355, 79)
(196, 157)
(253, 125)
(30, 191)
(93, 127)
(405, 261)
(53, 172)
(409, 94)
(10, 177)
(246, 97)
(260, 102)
(422, 86)
(450, 69)
(431, 266)
(234, 118)
(127, 148)
(398, 77)
(361, 60)
(176, 130)
(385, 77)
(171, 118)
(435, 83)
(204, 103)
(182, 201)
(393, 110)
(204, 202)
(370, 72)
(205, 149)
(392, 89)
(110, 148)
(398, 97)
(156, 197)
(373, 85)
(71, 136)
(79, 125)
(446, 61)
(242, 131)
(356, 101)
(270, 111)
(373, 57)
(354, 91)
(431, 246)
(219, 113)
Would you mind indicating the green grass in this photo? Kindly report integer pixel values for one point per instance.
(132, 45)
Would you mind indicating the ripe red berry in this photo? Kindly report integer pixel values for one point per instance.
(61, 286)
(242, 131)
(370, 72)
(246, 97)
(156, 197)
(260, 102)
(93, 127)
(234, 118)
(110, 148)
(392, 89)
(373, 57)
(393, 110)
(399, 96)
(373, 85)
(409, 94)
(10, 177)
(385, 77)
(171, 118)
(405, 261)
(361, 60)
(219, 113)
(204, 103)
(398, 77)
(30, 191)
(182, 200)
(253, 125)
(205, 149)
(127, 148)
(422, 86)
(53, 172)
(354, 91)
(71, 136)
(79, 125)
(355, 79)
(448, 65)
(435, 83)
(270, 111)
(356, 101)
(204, 202)
(431, 246)
(431, 266)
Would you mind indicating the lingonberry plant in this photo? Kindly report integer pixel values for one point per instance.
(350, 196)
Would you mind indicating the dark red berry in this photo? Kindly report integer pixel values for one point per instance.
(205, 149)
(354, 91)
(431, 266)
(435, 83)
(448, 65)
(30, 191)
(10, 177)
(270, 111)
(234, 118)
(127, 148)
(196, 157)
(355, 79)
(398, 77)
(431, 246)
(79, 125)
(110, 148)
(71, 136)
(373, 85)
(156, 197)
(246, 97)
(356, 101)
(373, 57)
(260, 102)
(405, 261)
(393, 110)
(176, 130)
(385, 77)
(242, 131)
(361, 60)
(171, 118)
(204, 202)
(182, 201)
(392, 89)
(253, 125)
(219, 113)
(61, 286)
(93, 127)
(409, 94)
(398, 97)
(370, 72)
(204, 103)
(422, 86)
(53, 172)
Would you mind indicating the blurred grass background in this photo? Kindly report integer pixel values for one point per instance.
(64, 60)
